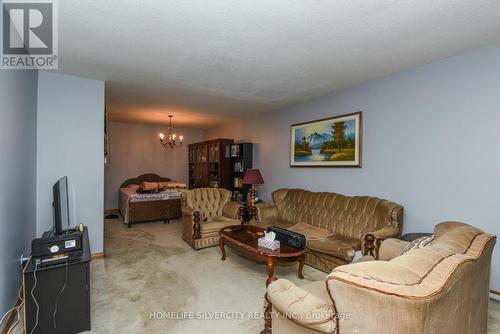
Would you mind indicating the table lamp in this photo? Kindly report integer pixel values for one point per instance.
(253, 177)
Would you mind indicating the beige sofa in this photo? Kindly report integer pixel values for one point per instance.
(335, 226)
(205, 211)
(441, 288)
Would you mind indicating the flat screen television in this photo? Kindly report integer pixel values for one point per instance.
(60, 205)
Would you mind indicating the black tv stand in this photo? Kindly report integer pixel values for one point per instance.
(73, 304)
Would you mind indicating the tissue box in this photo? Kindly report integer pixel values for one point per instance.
(269, 244)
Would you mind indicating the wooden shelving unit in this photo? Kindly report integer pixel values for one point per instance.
(210, 164)
(241, 160)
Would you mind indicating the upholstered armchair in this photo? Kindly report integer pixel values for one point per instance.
(205, 211)
(440, 287)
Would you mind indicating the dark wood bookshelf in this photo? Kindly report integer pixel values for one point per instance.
(209, 164)
(241, 160)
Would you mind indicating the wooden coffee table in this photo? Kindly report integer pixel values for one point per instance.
(243, 238)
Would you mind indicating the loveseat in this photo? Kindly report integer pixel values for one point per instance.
(335, 226)
(441, 287)
(205, 211)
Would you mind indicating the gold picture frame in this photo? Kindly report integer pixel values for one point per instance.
(328, 142)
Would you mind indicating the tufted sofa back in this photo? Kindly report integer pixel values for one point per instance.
(208, 201)
(342, 215)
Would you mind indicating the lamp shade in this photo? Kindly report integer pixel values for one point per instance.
(252, 176)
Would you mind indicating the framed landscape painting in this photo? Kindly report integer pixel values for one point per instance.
(330, 142)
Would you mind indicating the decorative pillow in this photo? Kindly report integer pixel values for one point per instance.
(157, 186)
(147, 186)
(164, 185)
(418, 243)
(171, 185)
(133, 186)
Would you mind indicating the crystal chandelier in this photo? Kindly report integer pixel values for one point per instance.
(172, 139)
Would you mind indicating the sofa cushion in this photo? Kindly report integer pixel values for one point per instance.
(214, 224)
(272, 221)
(336, 246)
(310, 307)
(309, 231)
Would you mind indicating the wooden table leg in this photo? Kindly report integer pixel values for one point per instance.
(301, 266)
(222, 249)
(270, 269)
(268, 321)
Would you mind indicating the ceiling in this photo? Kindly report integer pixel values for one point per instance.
(208, 62)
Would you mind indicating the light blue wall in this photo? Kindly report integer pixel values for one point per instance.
(18, 96)
(431, 142)
(70, 143)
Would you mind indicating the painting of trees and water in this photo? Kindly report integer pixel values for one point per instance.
(329, 142)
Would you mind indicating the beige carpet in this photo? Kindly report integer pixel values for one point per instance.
(149, 269)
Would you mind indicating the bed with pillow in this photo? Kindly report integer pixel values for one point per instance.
(150, 197)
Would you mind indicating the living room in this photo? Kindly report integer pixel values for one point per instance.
(350, 131)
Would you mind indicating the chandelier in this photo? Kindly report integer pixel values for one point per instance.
(171, 139)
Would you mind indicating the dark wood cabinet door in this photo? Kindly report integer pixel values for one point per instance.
(210, 164)
(201, 175)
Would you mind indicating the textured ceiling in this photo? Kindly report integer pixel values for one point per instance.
(207, 62)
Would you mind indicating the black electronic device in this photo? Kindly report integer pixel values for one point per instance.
(60, 205)
(287, 237)
(54, 248)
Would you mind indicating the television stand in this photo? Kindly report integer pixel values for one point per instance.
(73, 304)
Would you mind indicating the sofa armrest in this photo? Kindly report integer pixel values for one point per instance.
(390, 248)
(191, 221)
(301, 307)
(231, 210)
(370, 293)
(371, 241)
(187, 210)
(265, 210)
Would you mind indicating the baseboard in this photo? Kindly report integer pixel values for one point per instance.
(97, 256)
(108, 211)
(10, 319)
(495, 295)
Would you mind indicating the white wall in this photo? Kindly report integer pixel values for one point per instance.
(70, 142)
(18, 96)
(135, 149)
(431, 142)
